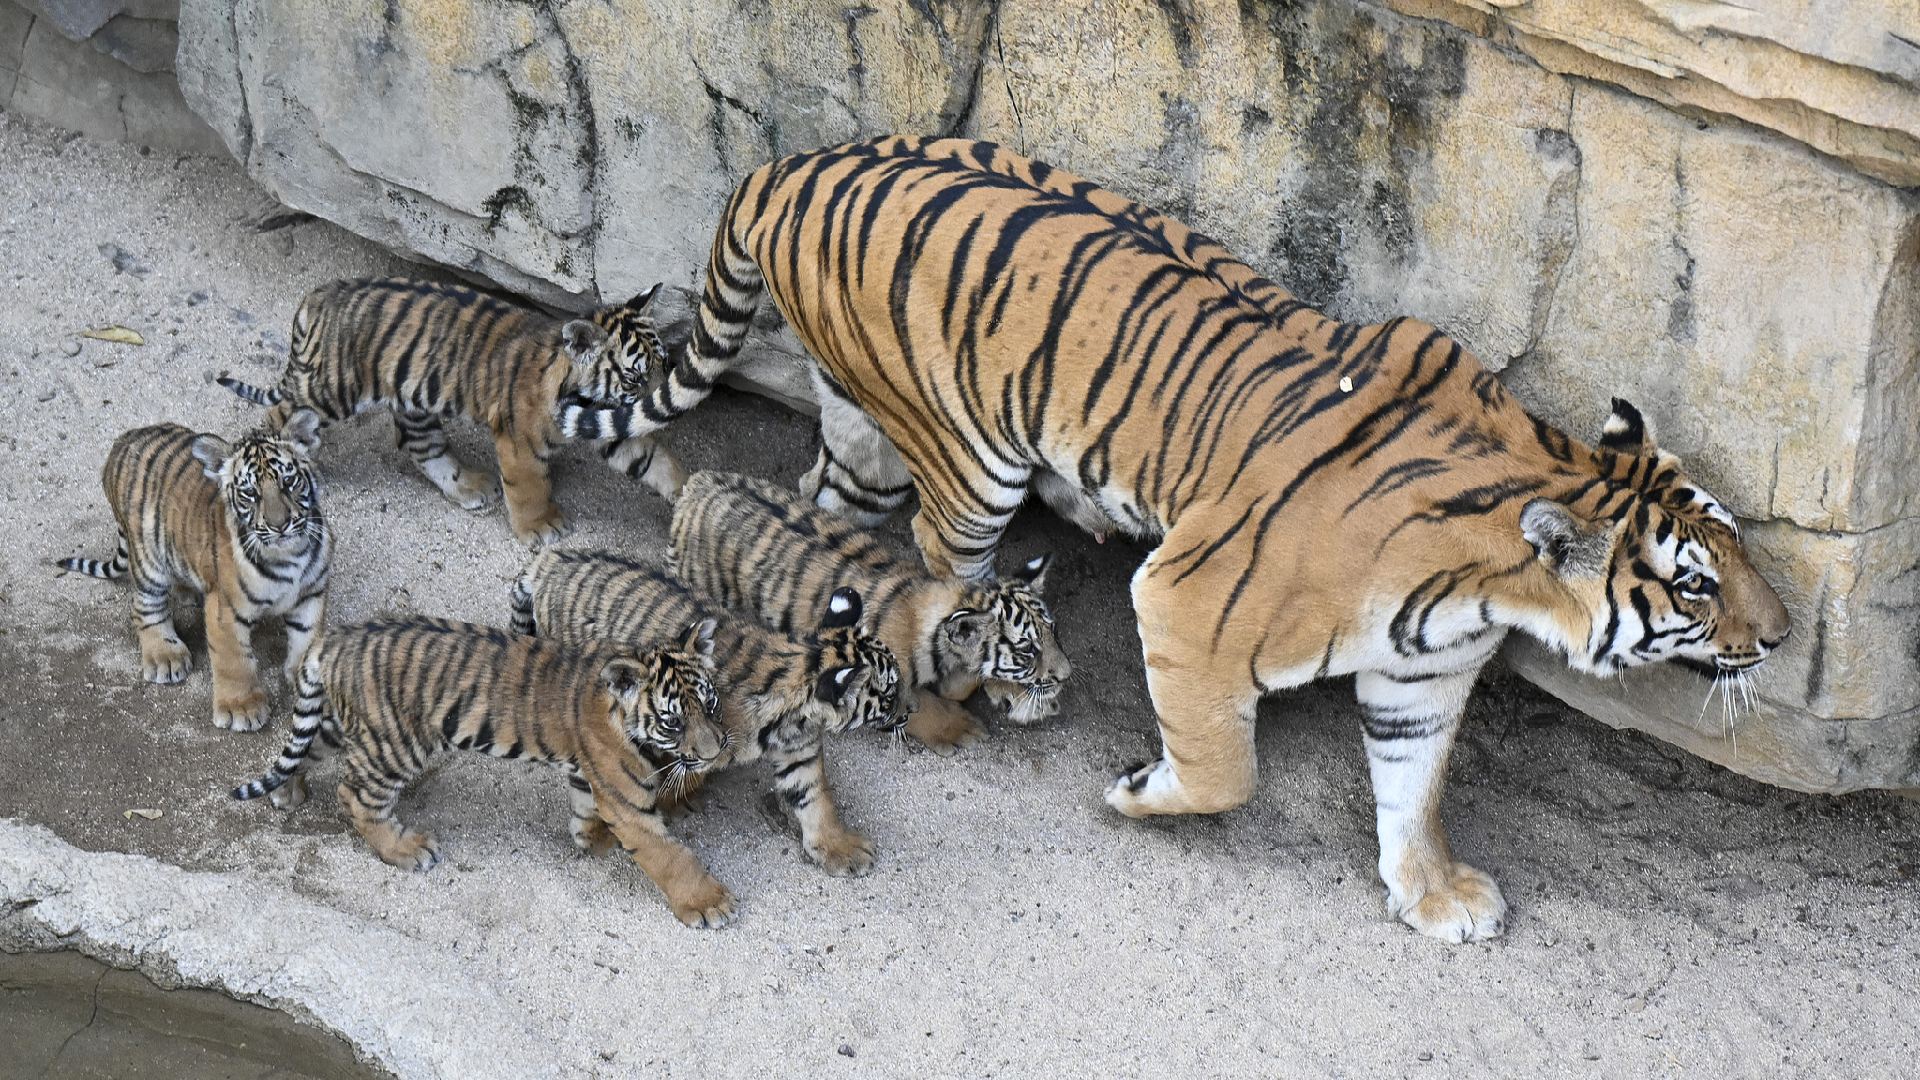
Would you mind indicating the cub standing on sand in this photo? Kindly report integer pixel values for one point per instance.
(762, 549)
(240, 525)
(1329, 498)
(778, 695)
(624, 724)
(426, 349)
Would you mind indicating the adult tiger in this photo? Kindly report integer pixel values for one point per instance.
(1330, 498)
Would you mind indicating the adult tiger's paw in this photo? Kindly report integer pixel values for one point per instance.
(164, 660)
(544, 529)
(1124, 794)
(240, 712)
(707, 905)
(474, 489)
(1468, 907)
(411, 849)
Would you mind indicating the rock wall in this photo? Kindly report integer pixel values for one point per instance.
(1690, 205)
(104, 67)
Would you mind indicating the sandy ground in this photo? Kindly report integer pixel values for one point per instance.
(1668, 918)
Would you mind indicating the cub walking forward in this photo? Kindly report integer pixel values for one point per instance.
(239, 524)
(623, 723)
(778, 695)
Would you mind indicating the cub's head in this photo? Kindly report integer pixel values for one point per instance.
(614, 350)
(1003, 631)
(1659, 562)
(268, 485)
(664, 700)
(859, 680)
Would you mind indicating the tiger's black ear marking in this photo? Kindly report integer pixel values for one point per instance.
(211, 451)
(1625, 430)
(843, 609)
(965, 626)
(302, 429)
(832, 685)
(642, 298)
(1034, 573)
(1562, 541)
(621, 678)
(583, 339)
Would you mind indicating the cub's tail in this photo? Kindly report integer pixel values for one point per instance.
(309, 718)
(96, 568)
(521, 597)
(248, 391)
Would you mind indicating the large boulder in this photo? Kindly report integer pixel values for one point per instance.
(1692, 206)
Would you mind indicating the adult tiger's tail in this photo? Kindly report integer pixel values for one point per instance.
(95, 568)
(309, 719)
(734, 285)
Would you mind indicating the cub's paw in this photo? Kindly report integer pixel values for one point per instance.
(1468, 907)
(593, 837)
(707, 905)
(544, 529)
(475, 489)
(290, 794)
(164, 661)
(944, 726)
(411, 850)
(240, 712)
(1125, 793)
(848, 854)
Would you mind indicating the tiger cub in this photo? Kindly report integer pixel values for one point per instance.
(425, 349)
(761, 548)
(778, 694)
(624, 724)
(237, 523)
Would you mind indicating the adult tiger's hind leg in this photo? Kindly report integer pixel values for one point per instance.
(1409, 729)
(419, 433)
(859, 474)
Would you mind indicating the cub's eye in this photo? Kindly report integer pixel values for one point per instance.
(1696, 585)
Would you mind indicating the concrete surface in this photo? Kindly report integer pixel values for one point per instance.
(1668, 918)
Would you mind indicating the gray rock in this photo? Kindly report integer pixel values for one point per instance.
(70, 348)
(141, 44)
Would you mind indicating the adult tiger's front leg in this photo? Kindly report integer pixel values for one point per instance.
(1409, 728)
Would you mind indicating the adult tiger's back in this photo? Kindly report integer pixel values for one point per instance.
(1329, 498)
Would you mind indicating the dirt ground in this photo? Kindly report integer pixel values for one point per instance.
(1668, 918)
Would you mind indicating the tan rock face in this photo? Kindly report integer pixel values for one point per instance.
(1701, 222)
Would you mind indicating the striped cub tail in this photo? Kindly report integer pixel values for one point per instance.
(520, 595)
(309, 716)
(96, 568)
(248, 391)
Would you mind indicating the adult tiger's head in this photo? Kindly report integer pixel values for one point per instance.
(1659, 562)
(859, 679)
(665, 702)
(1006, 634)
(268, 485)
(614, 350)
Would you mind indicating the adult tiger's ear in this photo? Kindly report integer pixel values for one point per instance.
(843, 609)
(211, 451)
(699, 639)
(832, 685)
(302, 429)
(583, 339)
(642, 298)
(1034, 574)
(1569, 546)
(1626, 430)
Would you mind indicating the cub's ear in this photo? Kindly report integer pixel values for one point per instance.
(1035, 572)
(699, 639)
(832, 685)
(583, 340)
(642, 298)
(1626, 430)
(965, 626)
(622, 678)
(302, 429)
(843, 608)
(211, 452)
(1569, 546)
